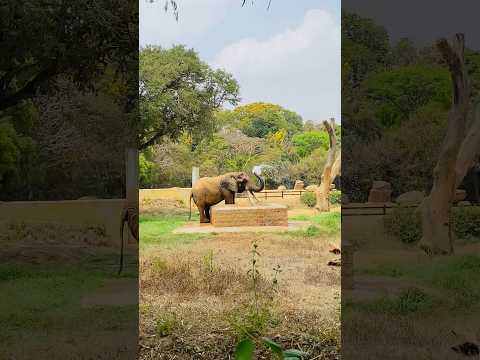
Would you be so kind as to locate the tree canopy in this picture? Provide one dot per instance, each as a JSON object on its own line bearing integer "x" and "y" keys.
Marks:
{"x": 179, "y": 93}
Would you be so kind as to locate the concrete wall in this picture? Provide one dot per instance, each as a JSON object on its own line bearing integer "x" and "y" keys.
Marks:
{"x": 176, "y": 193}
{"x": 103, "y": 213}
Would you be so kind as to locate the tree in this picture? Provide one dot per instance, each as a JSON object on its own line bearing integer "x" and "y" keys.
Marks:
{"x": 458, "y": 153}
{"x": 179, "y": 93}
{"x": 308, "y": 141}
{"x": 263, "y": 119}
{"x": 330, "y": 170}
{"x": 397, "y": 94}
{"x": 41, "y": 41}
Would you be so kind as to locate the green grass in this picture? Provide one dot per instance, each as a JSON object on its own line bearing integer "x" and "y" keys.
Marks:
{"x": 453, "y": 279}
{"x": 327, "y": 223}
{"x": 157, "y": 230}
{"x": 40, "y": 302}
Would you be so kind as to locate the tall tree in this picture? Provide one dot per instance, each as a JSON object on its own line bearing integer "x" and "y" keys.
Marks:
{"x": 178, "y": 93}
{"x": 458, "y": 153}
{"x": 331, "y": 168}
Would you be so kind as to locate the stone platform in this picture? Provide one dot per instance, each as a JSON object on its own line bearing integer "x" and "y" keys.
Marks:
{"x": 241, "y": 215}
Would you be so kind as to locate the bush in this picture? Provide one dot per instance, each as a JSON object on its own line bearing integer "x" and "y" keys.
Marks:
{"x": 466, "y": 222}
{"x": 405, "y": 224}
{"x": 309, "y": 199}
{"x": 335, "y": 197}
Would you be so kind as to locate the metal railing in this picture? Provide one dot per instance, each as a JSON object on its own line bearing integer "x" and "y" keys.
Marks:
{"x": 274, "y": 194}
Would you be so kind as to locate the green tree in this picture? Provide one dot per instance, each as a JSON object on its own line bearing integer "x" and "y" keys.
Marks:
{"x": 397, "y": 94}
{"x": 41, "y": 41}
{"x": 262, "y": 119}
{"x": 308, "y": 141}
{"x": 179, "y": 93}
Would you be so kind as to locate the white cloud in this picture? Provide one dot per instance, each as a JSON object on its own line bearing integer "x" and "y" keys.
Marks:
{"x": 298, "y": 68}
{"x": 196, "y": 18}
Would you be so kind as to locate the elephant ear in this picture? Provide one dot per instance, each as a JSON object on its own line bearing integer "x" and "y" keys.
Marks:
{"x": 229, "y": 183}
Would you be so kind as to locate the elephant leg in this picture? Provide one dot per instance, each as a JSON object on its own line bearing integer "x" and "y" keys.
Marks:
{"x": 207, "y": 212}
{"x": 229, "y": 198}
{"x": 203, "y": 218}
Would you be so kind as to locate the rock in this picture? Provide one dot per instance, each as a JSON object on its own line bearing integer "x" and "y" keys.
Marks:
{"x": 380, "y": 196}
{"x": 410, "y": 198}
{"x": 381, "y": 185}
{"x": 282, "y": 187}
{"x": 332, "y": 186}
{"x": 311, "y": 187}
{"x": 464, "y": 203}
{"x": 345, "y": 199}
{"x": 381, "y": 192}
{"x": 460, "y": 195}
{"x": 299, "y": 185}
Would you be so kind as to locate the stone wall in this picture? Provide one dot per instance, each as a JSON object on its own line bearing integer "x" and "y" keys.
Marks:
{"x": 260, "y": 215}
{"x": 102, "y": 213}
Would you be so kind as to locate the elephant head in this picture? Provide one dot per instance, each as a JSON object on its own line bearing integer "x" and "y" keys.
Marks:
{"x": 235, "y": 181}
{"x": 252, "y": 187}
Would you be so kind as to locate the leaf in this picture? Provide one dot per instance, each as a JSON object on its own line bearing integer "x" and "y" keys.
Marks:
{"x": 244, "y": 350}
{"x": 294, "y": 354}
{"x": 276, "y": 348}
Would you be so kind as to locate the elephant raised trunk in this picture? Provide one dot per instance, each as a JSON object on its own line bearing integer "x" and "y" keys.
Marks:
{"x": 256, "y": 188}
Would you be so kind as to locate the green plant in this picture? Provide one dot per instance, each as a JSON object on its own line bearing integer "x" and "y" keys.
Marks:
{"x": 308, "y": 198}
{"x": 466, "y": 222}
{"x": 208, "y": 261}
{"x": 312, "y": 231}
{"x": 404, "y": 224}
{"x": 251, "y": 322}
{"x": 166, "y": 324}
{"x": 335, "y": 197}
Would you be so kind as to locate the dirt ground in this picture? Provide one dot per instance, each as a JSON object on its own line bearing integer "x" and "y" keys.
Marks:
{"x": 197, "y": 297}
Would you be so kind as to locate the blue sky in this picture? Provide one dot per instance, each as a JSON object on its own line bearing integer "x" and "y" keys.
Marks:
{"x": 288, "y": 55}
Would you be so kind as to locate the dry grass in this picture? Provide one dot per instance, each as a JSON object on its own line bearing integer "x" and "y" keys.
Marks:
{"x": 197, "y": 298}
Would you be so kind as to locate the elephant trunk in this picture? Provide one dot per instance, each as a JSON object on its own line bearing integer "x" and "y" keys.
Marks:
{"x": 260, "y": 187}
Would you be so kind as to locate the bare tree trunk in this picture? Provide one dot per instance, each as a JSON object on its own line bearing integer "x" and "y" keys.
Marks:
{"x": 470, "y": 149}
{"x": 437, "y": 236}
{"x": 330, "y": 170}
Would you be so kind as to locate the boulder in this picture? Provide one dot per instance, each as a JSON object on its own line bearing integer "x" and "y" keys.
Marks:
{"x": 299, "y": 185}
{"x": 460, "y": 195}
{"x": 380, "y": 196}
{"x": 381, "y": 185}
{"x": 410, "y": 198}
{"x": 311, "y": 188}
{"x": 282, "y": 187}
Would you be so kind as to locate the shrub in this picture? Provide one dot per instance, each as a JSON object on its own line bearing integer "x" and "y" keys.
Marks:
{"x": 466, "y": 222}
{"x": 335, "y": 197}
{"x": 309, "y": 199}
{"x": 405, "y": 224}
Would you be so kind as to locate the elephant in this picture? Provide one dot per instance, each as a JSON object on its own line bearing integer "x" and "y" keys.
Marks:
{"x": 209, "y": 191}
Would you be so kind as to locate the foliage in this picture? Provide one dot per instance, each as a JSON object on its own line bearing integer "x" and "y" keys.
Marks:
{"x": 335, "y": 197}
{"x": 262, "y": 119}
{"x": 308, "y": 141}
{"x": 398, "y": 93}
{"x": 404, "y": 223}
{"x": 76, "y": 39}
{"x": 309, "y": 199}
{"x": 179, "y": 93}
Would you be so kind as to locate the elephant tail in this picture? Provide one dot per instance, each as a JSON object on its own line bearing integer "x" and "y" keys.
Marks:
{"x": 190, "y": 214}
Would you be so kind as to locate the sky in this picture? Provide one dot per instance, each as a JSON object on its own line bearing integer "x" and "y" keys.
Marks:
{"x": 287, "y": 55}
